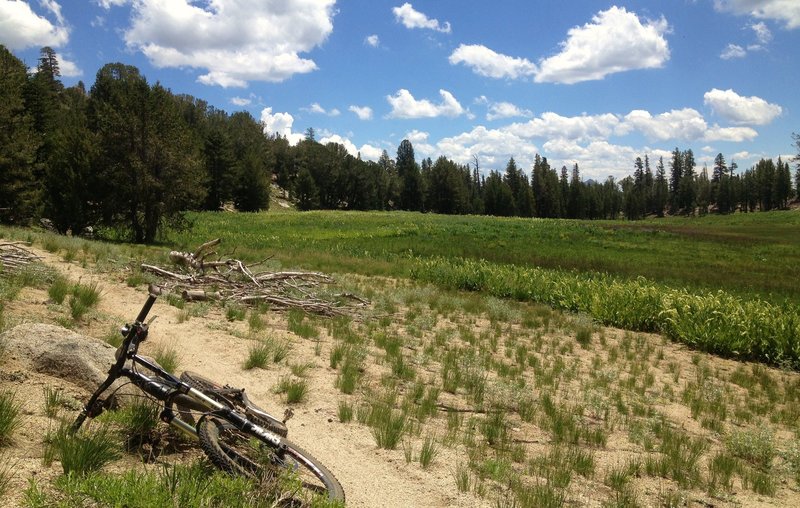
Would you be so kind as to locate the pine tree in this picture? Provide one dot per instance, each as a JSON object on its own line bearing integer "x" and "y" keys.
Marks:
{"x": 498, "y": 198}
{"x": 781, "y": 185}
{"x": 796, "y": 138}
{"x": 19, "y": 144}
{"x": 147, "y": 170}
{"x": 703, "y": 192}
{"x": 575, "y": 197}
{"x": 73, "y": 151}
{"x": 410, "y": 178}
{"x": 251, "y": 172}
{"x": 220, "y": 163}
{"x": 305, "y": 191}
{"x": 649, "y": 186}
{"x": 660, "y": 189}
{"x": 687, "y": 186}
{"x": 520, "y": 189}
{"x": 676, "y": 174}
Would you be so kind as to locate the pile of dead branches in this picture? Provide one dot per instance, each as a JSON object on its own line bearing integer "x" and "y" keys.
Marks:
{"x": 13, "y": 256}
{"x": 203, "y": 275}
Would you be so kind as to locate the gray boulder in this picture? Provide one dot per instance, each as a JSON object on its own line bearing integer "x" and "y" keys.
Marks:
{"x": 58, "y": 352}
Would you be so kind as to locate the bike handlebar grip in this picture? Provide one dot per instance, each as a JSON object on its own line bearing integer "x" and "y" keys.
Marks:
{"x": 151, "y": 299}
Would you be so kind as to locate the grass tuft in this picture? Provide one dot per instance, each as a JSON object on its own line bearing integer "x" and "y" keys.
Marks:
{"x": 10, "y": 418}
{"x": 82, "y": 452}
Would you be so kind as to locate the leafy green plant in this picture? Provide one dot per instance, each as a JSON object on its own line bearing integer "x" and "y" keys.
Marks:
{"x": 175, "y": 300}
{"x": 87, "y": 294}
{"x": 82, "y": 298}
{"x": 280, "y": 350}
{"x": 301, "y": 369}
{"x": 755, "y": 446}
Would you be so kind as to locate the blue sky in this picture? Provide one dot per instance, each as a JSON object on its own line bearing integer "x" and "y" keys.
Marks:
{"x": 592, "y": 82}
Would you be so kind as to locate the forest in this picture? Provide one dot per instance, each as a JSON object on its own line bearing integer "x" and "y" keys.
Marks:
{"x": 127, "y": 158}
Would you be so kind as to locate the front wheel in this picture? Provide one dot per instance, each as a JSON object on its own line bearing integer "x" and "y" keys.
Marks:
{"x": 240, "y": 452}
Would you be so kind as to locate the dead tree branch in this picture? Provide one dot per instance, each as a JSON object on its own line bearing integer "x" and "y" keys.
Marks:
{"x": 195, "y": 277}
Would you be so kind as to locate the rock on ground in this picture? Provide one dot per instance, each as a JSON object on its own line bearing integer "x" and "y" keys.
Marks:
{"x": 58, "y": 352}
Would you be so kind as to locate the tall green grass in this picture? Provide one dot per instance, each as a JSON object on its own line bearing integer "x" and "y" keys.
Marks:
{"x": 717, "y": 322}
{"x": 743, "y": 253}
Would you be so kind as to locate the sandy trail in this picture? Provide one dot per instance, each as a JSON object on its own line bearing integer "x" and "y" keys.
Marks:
{"x": 370, "y": 476}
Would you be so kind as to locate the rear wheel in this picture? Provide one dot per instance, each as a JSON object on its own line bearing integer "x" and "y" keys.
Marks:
{"x": 228, "y": 396}
{"x": 239, "y": 452}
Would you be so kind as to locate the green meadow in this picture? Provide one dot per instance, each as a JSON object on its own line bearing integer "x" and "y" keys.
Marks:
{"x": 727, "y": 285}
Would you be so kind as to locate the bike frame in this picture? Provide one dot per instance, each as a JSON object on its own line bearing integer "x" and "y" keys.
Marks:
{"x": 163, "y": 386}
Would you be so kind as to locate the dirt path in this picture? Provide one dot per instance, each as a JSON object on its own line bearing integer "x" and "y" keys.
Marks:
{"x": 370, "y": 476}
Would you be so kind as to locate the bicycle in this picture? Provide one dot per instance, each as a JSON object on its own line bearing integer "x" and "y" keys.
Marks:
{"x": 237, "y": 436}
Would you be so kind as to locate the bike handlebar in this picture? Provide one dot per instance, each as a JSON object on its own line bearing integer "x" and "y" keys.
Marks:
{"x": 151, "y": 299}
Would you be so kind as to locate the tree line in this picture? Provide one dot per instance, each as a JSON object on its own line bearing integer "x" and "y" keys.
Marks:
{"x": 129, "y": 157}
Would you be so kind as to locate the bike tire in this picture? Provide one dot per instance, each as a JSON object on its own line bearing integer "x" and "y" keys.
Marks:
{"x": 241, "y": 453}
{"x": 214, "y": 389}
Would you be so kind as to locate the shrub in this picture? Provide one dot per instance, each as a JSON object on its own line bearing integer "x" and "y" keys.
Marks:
{"x": 755, "y": 446}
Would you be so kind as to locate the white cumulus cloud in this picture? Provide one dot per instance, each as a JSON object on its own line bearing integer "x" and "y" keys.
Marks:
{"x": 280, "y": 123}
{"x": 553, "y": 125}
{"x": 786, "y": 11}
{"x": 493, "y": 147}
{"x": 404, "y": 105}
{"x": 362, "y": 112}
{"x": 489, "y": 63}
{"x": 234, "y": 42}
{"x": 372, "y": 40}
{"x": 68, "y": 68}
{"x": 367, "y": 151}
{"x": 412, "y": 18}
{"x": 741, "y": 110}
{"x": 731, "y": 134}
{"x": 240, "y": 101}
{"x": 498, "y": 110}
{"x": 684, "y": 124}
{"x": 615, "y": 41}
{"x": 316, "y": 109}
{"x": 21, "y": 27}
{"x": 732, "y": 51}
{"x": 762, "y": 32}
